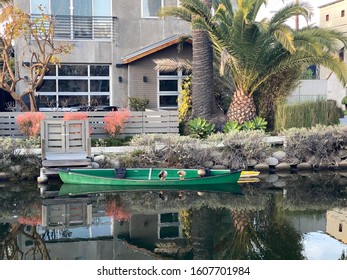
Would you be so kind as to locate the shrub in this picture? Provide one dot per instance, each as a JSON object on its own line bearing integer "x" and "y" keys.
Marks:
{"x": 344, "y": 100}
{"x": 257, "y": 124}
{"x": 114, "y": 122}
{"x": 185, "y": 100}
{"x": 138, "y": 104}
{"x": 231, "y": 126}
{"x": 307, "y": 114}
{"x": 30, "y": 123}
{"x": 315, "y": 145}
{"x": 200, "y": 128}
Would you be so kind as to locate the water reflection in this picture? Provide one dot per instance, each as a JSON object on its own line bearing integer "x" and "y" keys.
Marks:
{"x": 300, "y": 217}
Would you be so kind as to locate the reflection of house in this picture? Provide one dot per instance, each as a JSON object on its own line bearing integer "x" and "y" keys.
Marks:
{"x": 104, "y": 67}
{"x": 305, "y": 223}
{"x": 63, "y": 213}
{"x": 337, "y": 224}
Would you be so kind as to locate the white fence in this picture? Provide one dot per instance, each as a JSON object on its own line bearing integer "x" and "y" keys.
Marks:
{"x": 139, "y": 123}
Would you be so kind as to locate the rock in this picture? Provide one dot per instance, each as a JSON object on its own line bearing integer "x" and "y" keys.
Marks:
{"x": 262, "y": 166}
{"x": 304, "y": 166}
{"x": 208, "y": 164}
{"x": 279, "y": 155}
{"x": 100, "y": 159}
{"x": 42, "y": 179}
{"x": 280, "y": 184}
{"x": 342, "y": 154}
{"x": 251, "y": 162}
{"x": 271, "y": 161}
{"x": 95, "y": 165}
{"x": 15, "y": 168}
{"x": 293, "y": 161}
{"x": 283, "y": 166}
{"x": 4, "y": 175}
{"x": 271, "y": 178}
{"x": 343, "y": 164}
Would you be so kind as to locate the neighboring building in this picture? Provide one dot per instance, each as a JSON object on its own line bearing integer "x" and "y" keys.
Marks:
{"x": 334, "y": 16}
{"x": 114, "y": 44}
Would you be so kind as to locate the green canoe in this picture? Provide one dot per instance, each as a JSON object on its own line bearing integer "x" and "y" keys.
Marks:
{"x": 148, "y": 177}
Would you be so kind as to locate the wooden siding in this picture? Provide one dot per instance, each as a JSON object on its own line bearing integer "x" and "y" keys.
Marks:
{"x": 145, "y": 67}
{"x": 139, "y": 123}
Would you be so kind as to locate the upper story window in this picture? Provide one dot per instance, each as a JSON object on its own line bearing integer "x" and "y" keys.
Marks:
{"x": 342, "y": 13}
{"x": 77, "y": 19}
{"x": 72, "y": 7}
{"x": 326, "y": 17}
{"x": 151, "y": 7}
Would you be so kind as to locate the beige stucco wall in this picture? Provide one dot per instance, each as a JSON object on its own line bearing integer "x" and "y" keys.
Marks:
{"x": 335, "y": 90}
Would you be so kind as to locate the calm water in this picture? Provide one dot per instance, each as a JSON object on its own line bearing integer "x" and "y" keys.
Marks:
{"x": 298, "y": 216}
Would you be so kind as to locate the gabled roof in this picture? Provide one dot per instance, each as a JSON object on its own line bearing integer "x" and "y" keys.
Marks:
{"x": 152, "y": 49}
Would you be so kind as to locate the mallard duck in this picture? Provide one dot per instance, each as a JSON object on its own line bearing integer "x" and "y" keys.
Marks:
{"x": 162, "y": 174}
{"x": 201, "y": 172}
{"x": 181, "y": 173}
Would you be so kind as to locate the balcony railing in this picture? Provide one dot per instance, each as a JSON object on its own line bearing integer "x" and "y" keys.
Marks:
{"x": 83, "y": 27}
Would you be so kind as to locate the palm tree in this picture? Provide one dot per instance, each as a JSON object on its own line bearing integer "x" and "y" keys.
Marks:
{"x": 203, "y": 99}
{"x": 256, "y": 51}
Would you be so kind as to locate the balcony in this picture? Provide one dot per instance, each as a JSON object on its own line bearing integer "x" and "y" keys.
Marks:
{"x": 83, "y": 27}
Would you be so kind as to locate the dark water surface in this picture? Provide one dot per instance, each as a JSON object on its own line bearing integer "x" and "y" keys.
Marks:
{"x": 283, "y": 217}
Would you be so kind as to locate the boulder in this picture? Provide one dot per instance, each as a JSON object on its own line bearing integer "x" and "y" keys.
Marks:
{"x": 304, "y": 166}
{"x": 283, "y": 166}
{"x": 95, "y": 165}
{"x": 271, "y": 161}
{"x": 251, "y": 162}
{"x": 280, "y": 155}
{"x": 262, "y": 166}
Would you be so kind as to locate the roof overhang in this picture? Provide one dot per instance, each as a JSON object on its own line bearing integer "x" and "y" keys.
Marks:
{"x": 152, "y": 49}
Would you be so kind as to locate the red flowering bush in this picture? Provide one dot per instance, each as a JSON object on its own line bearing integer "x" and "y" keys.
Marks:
{"x": 69, "y": 116}
{"x": 32, "y": 221}
{"x": 118, "y": 212}
{"x": 114, "y": 122}
{"x": 30, "y": 123}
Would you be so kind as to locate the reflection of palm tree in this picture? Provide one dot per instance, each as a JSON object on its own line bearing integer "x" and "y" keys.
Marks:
{"x": 202, "y": 231}
{"x": 259, "y": 235}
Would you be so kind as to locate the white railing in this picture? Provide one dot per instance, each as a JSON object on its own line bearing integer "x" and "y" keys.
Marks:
{"x": 139, "y": 123}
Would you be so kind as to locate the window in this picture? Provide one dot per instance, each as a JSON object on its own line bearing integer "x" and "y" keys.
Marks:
{"x": 169, "y": 87}
{"x": 151, "y": 7}
{"x": 342, "y": 13}
{"x": 342, "y": 54}
{"x": 82, "y": 19}
{"x": 70, "y": 85}
{"x": 169, "y": 226}
{"x": 326, "y": 17}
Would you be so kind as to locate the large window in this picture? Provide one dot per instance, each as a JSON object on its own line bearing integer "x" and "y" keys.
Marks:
{"x": 169, "y": 87}
{"x": 71, "y": 85}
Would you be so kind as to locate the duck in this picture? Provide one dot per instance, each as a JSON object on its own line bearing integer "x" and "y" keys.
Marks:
{"x": 163, "y": 196}
{"x": 181, "y": 173}
{"x": 201, "y": 172}
{"x": 162, "y": 174}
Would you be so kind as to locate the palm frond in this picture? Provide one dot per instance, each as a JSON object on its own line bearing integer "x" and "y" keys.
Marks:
{"x": 172, "y": 64}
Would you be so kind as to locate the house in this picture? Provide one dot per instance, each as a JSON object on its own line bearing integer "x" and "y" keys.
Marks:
{"x": 334, "y": 16}
{"x": 114, "y": 43}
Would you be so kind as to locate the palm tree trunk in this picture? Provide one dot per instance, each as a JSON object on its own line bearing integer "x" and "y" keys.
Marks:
{"x": 242, "y": 107}
{"x": 203, "y": 100}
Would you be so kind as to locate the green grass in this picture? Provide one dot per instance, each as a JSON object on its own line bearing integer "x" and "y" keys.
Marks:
{"x": 307, "y": 114}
